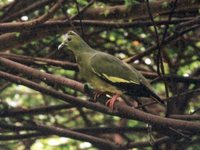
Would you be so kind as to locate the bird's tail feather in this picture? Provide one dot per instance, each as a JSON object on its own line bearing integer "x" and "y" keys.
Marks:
{"x": 141, "y": 90}
{"x": 157, "y": 98}
{"x": 153, "y": 95}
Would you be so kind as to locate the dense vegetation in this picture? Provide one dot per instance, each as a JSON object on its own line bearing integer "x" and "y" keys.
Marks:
{"x": 43, "y": 104}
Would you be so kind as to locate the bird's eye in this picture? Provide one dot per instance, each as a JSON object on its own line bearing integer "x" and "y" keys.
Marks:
{"x": 69, "y": 39}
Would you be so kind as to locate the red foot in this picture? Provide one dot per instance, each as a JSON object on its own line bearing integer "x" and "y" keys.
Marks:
{"x": 110, "y": 103}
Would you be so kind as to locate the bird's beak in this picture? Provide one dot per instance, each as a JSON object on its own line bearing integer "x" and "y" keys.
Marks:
{"x": 61, "y": 46}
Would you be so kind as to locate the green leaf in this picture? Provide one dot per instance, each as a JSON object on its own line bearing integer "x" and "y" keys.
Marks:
{"x": 82, "y": 2}
{"x": 17, "y": 34}
{"x": 131, "y": 2}
{"x": 165, "y": 4}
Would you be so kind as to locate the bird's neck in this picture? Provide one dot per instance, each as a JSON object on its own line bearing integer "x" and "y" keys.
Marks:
{"x": 81, "y": 49}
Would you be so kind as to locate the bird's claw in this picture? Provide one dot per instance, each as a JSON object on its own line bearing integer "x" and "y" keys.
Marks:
{"x": 110, "y": 103}
{"x": 97, "y": 94}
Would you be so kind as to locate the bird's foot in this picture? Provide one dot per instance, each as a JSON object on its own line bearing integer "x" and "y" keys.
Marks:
{"x": 110, "y": 103}
{"x": 97, "y": 94}
{"x": 93, "y": 94}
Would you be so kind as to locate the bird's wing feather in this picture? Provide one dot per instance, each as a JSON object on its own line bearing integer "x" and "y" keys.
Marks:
{"x": 112, "y": 70}
{"x": 121, "y": 75}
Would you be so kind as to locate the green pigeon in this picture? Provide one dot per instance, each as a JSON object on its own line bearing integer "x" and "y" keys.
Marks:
{"x": 106, "y": 73}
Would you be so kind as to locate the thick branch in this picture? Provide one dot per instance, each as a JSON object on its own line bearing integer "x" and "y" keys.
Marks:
{"x": 66, "y": 98}
{"x": 122, "y": 109}
{"x": 157, "y": 120}
{"x": 40, "y": 75}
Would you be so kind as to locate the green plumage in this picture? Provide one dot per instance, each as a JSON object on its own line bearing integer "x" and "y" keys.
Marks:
{"x": 105, "y": 72}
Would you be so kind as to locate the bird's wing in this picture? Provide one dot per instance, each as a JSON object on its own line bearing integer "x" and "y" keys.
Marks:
{"x": 121, "y": 75}
{"x": 113, "y": 70}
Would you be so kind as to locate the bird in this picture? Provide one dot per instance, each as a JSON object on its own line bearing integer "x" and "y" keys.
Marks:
{"x": 107, "y": 73}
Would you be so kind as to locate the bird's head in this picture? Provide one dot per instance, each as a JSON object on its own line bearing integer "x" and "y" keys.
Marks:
{"x": 72, "y": 41}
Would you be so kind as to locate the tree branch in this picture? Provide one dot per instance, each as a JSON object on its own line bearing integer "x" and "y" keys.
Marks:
{"x": 93, "y": 23}
{"x": 98, "y": 142}
{"x": 26, "y": 10}
{"x": 139, "y": 11}
{"x": 167, "y": 40}
{"x": 40, "y": 61}
{"x": 32, "y": 23}
{"x": 148, "y": 143}
{"x": 40, "y": 75}
{"x": 123, "y": 110}
{"x": 34, "y": 111}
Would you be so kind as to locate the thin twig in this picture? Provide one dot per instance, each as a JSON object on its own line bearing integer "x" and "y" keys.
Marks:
{"x": 157, "y": 38}
{"x": 80, "y": 19}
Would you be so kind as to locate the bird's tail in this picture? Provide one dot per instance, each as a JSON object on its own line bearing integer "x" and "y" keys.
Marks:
{"x": 155, "y": 97}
